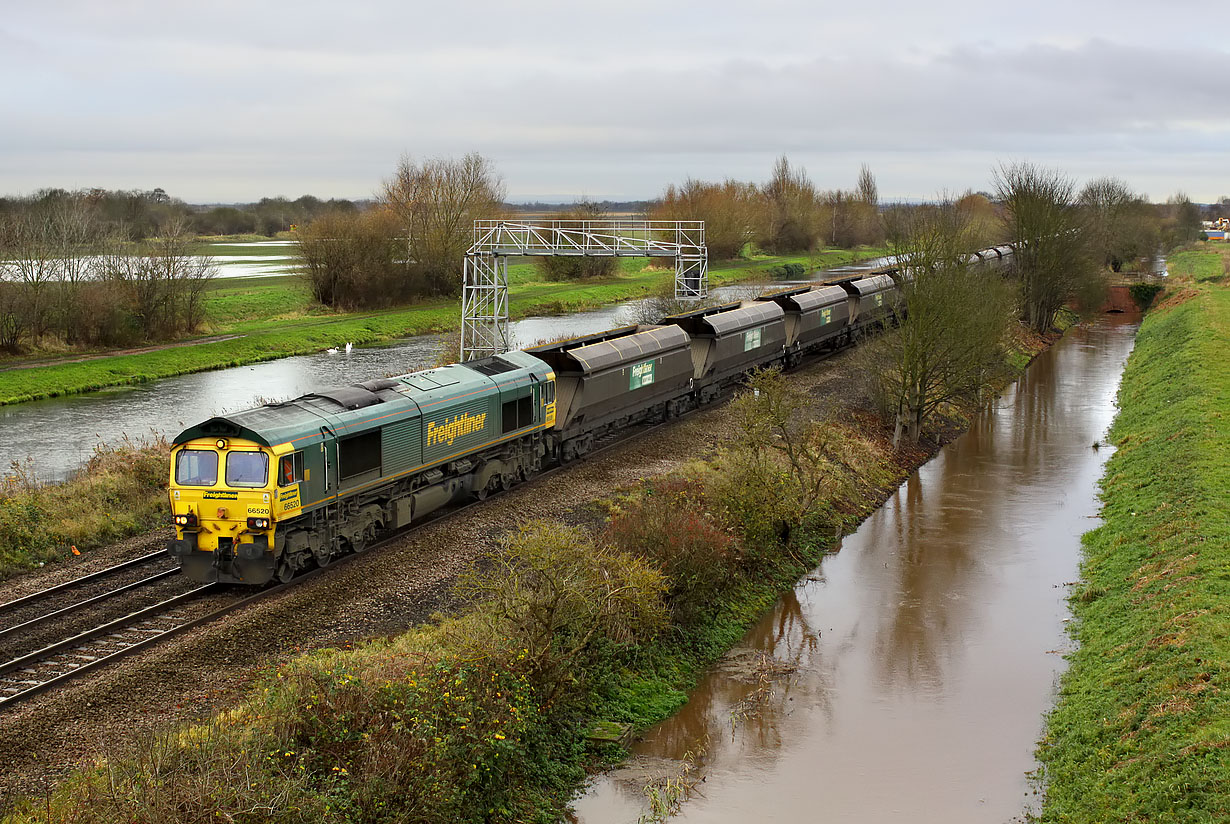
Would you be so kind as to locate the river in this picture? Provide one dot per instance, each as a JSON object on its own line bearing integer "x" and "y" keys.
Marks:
{"x": 927, "y": 648}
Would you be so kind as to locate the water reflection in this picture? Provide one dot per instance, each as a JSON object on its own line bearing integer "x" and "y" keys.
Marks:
{"x": 927, "y": 646}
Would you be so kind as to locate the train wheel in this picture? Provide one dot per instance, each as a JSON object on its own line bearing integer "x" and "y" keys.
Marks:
{"x": 285, "y": 570}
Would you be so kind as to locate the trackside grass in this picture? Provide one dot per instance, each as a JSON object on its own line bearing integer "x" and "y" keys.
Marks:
{"x": 275, "y": 318}
{"x": 1201, "y": 261}
{"x": 119, "y": 492}
{"x": 1141, "y": 731}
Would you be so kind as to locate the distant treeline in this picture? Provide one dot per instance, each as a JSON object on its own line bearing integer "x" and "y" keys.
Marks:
{"x": 137, "y": 215}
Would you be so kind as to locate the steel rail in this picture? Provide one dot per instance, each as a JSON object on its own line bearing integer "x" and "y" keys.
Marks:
{"x": 68, "y": 643}
{"x": 93, "y": 576}
{"x": 59, "y": 613}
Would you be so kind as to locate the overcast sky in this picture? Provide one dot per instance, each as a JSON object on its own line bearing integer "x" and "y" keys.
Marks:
{"x": 230, "y": 101}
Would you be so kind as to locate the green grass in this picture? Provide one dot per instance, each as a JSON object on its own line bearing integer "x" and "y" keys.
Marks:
{"x": 1203, "y": 262}
{"x": 1141, "y": 731}
{"x": 277, "y": 318}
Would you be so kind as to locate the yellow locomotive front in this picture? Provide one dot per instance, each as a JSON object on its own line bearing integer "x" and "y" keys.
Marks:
{"x": 222, "y": 504}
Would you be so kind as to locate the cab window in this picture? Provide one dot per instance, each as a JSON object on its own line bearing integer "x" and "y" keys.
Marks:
{"x": 549, "y": 393}
{"x": 196, "y": 467}
{"x": 247, "y": 469}
{"x": 290, "y": 469}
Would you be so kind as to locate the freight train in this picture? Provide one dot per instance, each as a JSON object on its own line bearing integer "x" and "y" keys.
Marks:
{"x": 260, "y": 495}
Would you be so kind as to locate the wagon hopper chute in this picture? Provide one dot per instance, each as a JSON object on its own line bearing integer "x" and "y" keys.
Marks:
{"x": 729, "y": 340}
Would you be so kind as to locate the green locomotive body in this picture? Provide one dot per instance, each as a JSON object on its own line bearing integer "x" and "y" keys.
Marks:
{"x": 314, "y": 478}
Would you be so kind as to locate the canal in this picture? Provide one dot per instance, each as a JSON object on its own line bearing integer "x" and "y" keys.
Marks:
{"x": 926, "y": 651}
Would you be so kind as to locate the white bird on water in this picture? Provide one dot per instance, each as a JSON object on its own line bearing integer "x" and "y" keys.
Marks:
{"x": 331, "y": 351}
{"x": 348, "y": 345}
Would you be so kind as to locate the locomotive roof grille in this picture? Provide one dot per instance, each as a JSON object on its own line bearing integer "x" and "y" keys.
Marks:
{"x": 348, "y": 397}
{"x": 494, "y": 365}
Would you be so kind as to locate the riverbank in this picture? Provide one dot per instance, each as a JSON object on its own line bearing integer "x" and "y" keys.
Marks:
{"x": 495, "y": 714}
{"x": 1140, "y": 729}
{"x": 269, "y": 318}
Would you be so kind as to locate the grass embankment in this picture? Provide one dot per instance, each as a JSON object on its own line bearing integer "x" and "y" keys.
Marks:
{"x": 276, "y": 318}
{"x": 1205, "y": 261}
{"x": 1141, "y": 731}
{"x": 121, "y": 491}
{"x": 483, "y": 716}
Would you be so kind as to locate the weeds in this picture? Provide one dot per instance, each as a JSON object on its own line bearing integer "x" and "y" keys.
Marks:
{"x": 120, "y": 492}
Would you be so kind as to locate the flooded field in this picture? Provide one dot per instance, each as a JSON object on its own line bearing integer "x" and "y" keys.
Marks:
{"x": 925, "y": 652}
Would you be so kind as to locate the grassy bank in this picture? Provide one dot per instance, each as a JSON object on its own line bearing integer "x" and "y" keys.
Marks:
{"x": 1200, "y": 262}
{"x": 1141, "y": 731}
{"x": 276, "y": 318}
{"x": 121, "y": 491}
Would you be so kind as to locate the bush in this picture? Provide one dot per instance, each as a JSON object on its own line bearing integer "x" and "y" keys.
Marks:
{"x": 355, "y": 261}
{"x": 787, "y": 270}
{"x": 669, "y": 525}
{"x": 579, "y": 267}
{"x": 1144, "y": 293}
{"x": 574, "y": 267}
{"x": 554, "y": 593}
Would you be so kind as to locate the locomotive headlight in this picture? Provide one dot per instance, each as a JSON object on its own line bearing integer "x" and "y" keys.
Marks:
{"x": 221, "y": 443}
{"x": 258, "y": 523}
{"x": 185, "y": 520}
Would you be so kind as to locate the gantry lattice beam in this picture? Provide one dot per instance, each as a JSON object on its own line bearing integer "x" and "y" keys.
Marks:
{"x": 484, "y": 313}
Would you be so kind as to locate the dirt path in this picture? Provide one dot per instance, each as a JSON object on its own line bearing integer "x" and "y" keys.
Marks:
{"x": 114, "y": 353}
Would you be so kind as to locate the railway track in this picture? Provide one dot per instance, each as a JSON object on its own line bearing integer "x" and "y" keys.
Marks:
{"x": 54, "y": 663}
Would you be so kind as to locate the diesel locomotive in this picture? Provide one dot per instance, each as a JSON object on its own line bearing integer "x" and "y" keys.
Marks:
{"x": 259, "y": 495}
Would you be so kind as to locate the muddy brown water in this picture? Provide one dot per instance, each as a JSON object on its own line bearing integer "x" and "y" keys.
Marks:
{"x": 927, "y": 648}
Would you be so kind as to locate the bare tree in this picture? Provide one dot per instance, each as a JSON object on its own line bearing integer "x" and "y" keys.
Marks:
{"x": 1182, "y": 224}
{"x": 869, "y": 229}
{"x": 354, "y": 260}
{"x": 1044, "y": 222}
{"x": 1119, "y": 223}
{"x": 437, "y": 202}
{"x": 953, "y": 320}
{"x": 729, "y": 210}
{"x": 794, "y": 216}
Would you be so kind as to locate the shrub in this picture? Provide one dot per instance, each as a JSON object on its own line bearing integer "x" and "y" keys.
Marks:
{"x": 1144, "y": 293}
{"x": 355, "y": 261}
{"x": 670, "y": 526}
{"x": 552, "y": 592}
{"x": 120, "y": 491}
